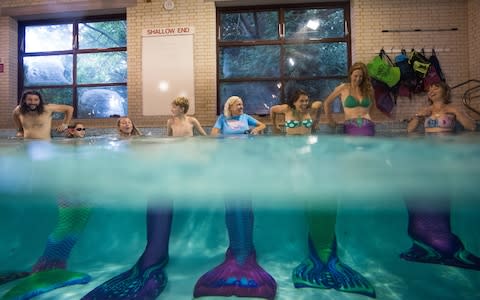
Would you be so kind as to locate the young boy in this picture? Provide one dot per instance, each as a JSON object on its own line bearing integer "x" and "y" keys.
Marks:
{"x": 180, "y": 124}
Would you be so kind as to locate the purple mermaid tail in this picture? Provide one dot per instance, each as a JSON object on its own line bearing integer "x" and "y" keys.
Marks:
{"x": 44, "y": 264}
{"x": 434, "y": 242}
{"x": 232, "y": 278}
{"x": 461, "y": 258}
{"x": 359, "y": 127}
{"x": 133, "y": 284}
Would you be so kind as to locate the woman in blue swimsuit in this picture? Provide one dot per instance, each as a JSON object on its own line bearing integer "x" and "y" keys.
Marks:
{"x": 234, "y": 121}
{"x": 298, "y": 114}
{"x": 357, "y": 100}
{"x": 239, "y": 274}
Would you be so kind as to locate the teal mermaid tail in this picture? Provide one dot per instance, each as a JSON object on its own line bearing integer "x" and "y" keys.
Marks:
{"x": 331, "y": 275}
{"x": 423, "y": 253}
{"x": 132, "y": 284}
{"x": 43, "y": 282}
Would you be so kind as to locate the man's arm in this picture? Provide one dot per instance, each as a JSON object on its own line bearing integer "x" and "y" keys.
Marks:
{"x": 67, "y": 110}
{"x": 17, "y": 121}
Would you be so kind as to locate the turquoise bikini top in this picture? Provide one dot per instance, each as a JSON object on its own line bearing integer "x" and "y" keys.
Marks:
{"x": 307, "y": 123}
{"x": 351, "y": 102}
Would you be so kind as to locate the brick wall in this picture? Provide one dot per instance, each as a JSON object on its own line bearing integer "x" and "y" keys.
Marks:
{"x": 370, "y": 17}
{"x": 473, "y": 46}
{"x": 186, "y": 13}
{"x": 456, "y": 50}
{"x": 8, "y": 79}
{"x": 474, "y": 38}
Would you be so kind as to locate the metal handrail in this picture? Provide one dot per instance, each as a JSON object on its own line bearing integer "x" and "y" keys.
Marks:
{"x": 464, "y": 83}
{"x": 467, "y": 95}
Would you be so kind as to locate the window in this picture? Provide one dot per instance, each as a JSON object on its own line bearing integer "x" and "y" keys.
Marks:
{"x": 266, "y": 53}
{"x": 82, "y": 63}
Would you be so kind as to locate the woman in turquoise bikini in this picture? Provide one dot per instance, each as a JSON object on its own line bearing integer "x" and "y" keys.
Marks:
{"x": 429, "y": 214}
{"x": 298, "y": 114}
{"x": 322, "y": 268}
{"x": 357, "y": 100}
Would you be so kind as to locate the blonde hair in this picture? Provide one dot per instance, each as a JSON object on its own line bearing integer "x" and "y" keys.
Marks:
{"x": 182, "y": 102}
{"x": 230, "y": 102}
{"x": 135, "y": 130}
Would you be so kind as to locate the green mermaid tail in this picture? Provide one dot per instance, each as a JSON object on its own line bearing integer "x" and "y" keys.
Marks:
{"x": 43, "y": 282}
{"x": 331, "y": 275}
{"x": 11, "y": 276}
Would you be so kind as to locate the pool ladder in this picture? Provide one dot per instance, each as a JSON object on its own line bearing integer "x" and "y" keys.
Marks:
{"x": 469, "y": 94}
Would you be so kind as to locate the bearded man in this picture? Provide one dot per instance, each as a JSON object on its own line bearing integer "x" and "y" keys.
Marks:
{"x": 33, "y": 118}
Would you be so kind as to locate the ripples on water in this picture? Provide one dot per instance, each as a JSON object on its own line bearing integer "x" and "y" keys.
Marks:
{"x": 368, "y": 177}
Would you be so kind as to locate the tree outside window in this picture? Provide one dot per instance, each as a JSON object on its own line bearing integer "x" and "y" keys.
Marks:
{"x": 266, "y": 53}
{"x": 81, "y": 62}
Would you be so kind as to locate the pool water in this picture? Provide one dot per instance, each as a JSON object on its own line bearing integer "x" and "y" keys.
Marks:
{"x": 368, "y": 177}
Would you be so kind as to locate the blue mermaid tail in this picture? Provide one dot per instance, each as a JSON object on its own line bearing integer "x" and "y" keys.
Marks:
{"x": 331, "y": 275}
{"x": 133, "y": 284}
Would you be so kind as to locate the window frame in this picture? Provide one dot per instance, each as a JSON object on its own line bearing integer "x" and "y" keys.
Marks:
{"x": 281, "y": 41}
{"x": 75, "y": 51}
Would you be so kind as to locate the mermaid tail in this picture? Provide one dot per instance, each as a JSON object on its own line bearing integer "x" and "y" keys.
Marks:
{"x": 43, "y": 282}
{"x": 55, "y": 254}
{"x": 72, "y": 219}
{"x": 424, "y": 253}
{"x": 331, "y": 275}
{"x": 11, "y": 276}
{"x": 233, "y": 278}
{"x": 239, "y": 275}
{"x": 48, "y": 273}
{"x": 433, "y": 241}
{"x": 132, "y": 284}
{"x": 147, "y": 278}
{"x": 359, "y": 127}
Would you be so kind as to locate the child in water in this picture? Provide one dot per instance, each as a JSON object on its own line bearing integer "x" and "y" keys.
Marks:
{"x": 180, "y": 124}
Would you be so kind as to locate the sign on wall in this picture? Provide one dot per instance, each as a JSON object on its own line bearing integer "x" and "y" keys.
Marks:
{"x": 167, "y": 68}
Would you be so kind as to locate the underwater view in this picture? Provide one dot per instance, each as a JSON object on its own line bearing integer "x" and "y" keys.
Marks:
{"x": 371, "y": 198}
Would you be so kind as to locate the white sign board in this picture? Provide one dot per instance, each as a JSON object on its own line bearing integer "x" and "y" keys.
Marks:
{"x": 167, "y": 69}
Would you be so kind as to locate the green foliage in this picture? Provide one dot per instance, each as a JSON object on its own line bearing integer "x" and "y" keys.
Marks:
{"x": 109, "y": 34}
{"x": 253, "y": 55}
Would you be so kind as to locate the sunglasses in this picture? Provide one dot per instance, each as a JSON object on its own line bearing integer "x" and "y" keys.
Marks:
{"x": 80, "y": 129}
